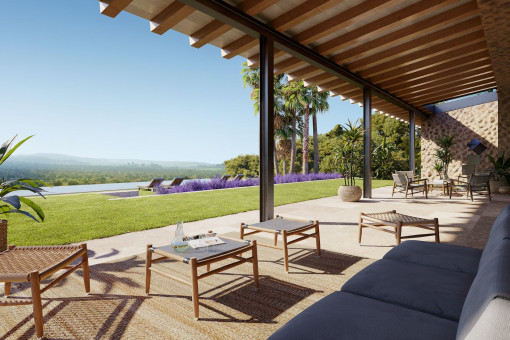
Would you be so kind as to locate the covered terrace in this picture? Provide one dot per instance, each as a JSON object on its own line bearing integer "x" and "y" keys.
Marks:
{"x": 392, "y": 57}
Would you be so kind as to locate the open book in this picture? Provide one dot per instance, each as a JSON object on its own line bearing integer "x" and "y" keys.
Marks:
{"x": 204, "y": 242}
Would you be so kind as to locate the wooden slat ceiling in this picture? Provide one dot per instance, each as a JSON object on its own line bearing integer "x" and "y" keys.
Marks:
{"x": 420, "y": 51}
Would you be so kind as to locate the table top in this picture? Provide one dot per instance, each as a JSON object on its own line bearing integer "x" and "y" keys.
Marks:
{"x": 202, "y": 253}
{"x": 279, "y": 224}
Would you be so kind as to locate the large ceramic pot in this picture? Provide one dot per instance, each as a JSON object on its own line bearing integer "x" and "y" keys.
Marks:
{"x": 3, "y": 235}
{"x": 349, "y": 193}
{"x": 495, "y": 185}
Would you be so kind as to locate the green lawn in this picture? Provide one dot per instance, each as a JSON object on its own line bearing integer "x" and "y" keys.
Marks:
{"x": 81, "y": 217}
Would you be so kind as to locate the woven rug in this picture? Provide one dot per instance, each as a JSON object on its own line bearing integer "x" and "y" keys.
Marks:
{"x": 230, "y": 307}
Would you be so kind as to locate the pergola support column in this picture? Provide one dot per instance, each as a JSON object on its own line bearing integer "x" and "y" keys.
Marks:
{"x": 367, "y": 142}
{"x": 266, "y": 128}
{"x": 412, "y": 141}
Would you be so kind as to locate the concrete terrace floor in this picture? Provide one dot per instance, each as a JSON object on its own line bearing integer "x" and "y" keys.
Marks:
{"x": 461, "y": 221}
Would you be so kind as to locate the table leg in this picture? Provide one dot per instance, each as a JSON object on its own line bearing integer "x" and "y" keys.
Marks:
{"x": 148, "y": 263}
{"x": 360, "y": 228}
{"x": 399, "y": 232}
{"x": 285, "y": 250}
{"x": 317, "y": 238}
{"x": 436, "y": 229}
{"x": 275, "y": 239}
{"x": 194, "y": 285}
{"x": 35, "y": 284}
{"x": 255, "y": 262}
{"x": 85, "y": 268}
{"x": 241, "y": 233}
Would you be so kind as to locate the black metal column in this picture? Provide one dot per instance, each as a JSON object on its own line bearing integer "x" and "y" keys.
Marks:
{"x": 266, "y": 128}
{"x": 412, "y": 142}
{"x": 367, "y": 142}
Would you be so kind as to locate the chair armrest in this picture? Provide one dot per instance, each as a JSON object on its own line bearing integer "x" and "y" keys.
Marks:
{"x": 418, "y": 180}
{"x": 458, "y": 182}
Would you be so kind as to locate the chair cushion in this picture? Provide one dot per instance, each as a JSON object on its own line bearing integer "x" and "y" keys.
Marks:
{"x": 440, "y": 255}
{"x": 492, "y": 280}
{"x": 343, "y": 315}
{"x": 500, "y": 229}
{"x": 427, "y": 289}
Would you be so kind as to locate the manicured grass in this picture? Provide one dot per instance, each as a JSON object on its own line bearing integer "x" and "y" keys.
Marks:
{"x": 81, "y": 217}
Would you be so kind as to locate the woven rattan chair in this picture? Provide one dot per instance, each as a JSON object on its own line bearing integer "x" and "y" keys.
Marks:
{"x": 402, "y": 183}
{"x": 477, "y": 182}
{"x": 34, "y": 264}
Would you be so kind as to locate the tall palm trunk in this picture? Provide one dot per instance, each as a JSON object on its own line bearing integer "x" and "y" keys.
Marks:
{"x": 315, "y": 145}
{"x": 293, "y": 145}
{"x": 306, "y": 137}
{"x": 275, "y": 159}
{"x": 284, "y": 172}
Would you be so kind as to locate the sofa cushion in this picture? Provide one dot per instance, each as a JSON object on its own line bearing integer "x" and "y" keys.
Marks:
{"x": 440, "y": 255}
{"x": 492, "y": 280}
{"x": 342, "y": 315}
{"x": 427, "y": 289}
{"x": 500, "y": 229}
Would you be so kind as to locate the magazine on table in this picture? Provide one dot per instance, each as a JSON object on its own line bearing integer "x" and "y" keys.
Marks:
{"x": 205, "y": 242}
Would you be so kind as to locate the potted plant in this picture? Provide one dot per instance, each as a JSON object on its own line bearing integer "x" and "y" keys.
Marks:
{"x": 13, "y": 203}
{"x": 501, "y": 176}
{"x": 439, "y": 169}
{"x": 444, "y": 153}
{"x": 350, "y": 156}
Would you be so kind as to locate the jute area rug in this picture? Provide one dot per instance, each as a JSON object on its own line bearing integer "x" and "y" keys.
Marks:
{"x": 230, "y": 307}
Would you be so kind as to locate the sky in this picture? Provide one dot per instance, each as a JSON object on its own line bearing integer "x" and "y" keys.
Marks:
{"x": 88, "y": 85}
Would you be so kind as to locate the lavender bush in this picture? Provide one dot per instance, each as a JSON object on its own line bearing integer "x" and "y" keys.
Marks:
{"x": 217, "y": 183}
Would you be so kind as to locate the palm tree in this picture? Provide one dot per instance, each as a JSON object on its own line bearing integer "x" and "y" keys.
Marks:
{"x": 251, "y": 77}
{"x": 320, "y": 104}
{"x": 292, "y": 107}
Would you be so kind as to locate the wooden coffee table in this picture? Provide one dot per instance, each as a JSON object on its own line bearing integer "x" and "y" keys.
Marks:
{"x": 386, "y": 221}
{"x": 285, "y": 227}
{"x": 231, "y": 249}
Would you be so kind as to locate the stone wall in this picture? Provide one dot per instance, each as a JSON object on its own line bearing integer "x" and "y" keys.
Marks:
{"x": 480, "y": 122}
{"x": 495, "y": 16}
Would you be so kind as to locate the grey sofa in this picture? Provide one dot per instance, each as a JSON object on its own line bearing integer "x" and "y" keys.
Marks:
{"x": 419, "y": 290}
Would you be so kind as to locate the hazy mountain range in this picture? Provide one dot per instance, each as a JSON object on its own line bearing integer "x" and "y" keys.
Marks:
{"x": 59, "y": 159}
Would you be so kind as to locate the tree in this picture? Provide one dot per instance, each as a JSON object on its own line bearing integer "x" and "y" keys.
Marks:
{"x": 350, "y": 151}
{"x": 319, "y": 105}
{"x": 243, "y": 164}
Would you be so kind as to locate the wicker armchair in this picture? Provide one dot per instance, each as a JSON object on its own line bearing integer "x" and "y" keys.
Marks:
{"x": 403, "y": 183}
{"x": 34, "y": 264}
{"x": 477, "y": 182}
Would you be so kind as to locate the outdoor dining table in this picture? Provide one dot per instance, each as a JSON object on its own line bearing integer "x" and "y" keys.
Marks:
{"x": 199, "y": 257}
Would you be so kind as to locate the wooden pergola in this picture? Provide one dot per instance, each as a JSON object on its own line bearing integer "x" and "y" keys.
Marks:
{"x": 390, "y": 56}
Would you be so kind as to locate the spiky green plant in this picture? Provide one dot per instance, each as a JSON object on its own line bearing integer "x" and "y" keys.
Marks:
{"x": 13, "y": 203}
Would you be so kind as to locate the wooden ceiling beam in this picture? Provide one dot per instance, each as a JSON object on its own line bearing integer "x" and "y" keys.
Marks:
{"x": 169, "y": 17}
{"x": 419, "y": 28}
{"x": 445, "y": 82}
{"x": 407, "y": 14}
{"x": 453, "y": 73}
{"x": 450, "y": 87}
{"x": 447, "y": 34}
{"x": 444, "y": 51}
{"x": 113, "y": 8}
{"x": 483, "y": 55}
{"x": 293, "y": 17}
{"x": 447, "y": 57}
{"x": 458, "y": 93}
{"x": 335, "y": 23}
{"x": 404, "y": 33}
{"x": 307, "y": 71}
{"x": 320, "y": 79}
{"x": 216, "y": 28}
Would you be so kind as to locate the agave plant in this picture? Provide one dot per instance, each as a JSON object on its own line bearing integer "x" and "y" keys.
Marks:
{"x": 12, "y": 203}
{"x": 501, "y": 166}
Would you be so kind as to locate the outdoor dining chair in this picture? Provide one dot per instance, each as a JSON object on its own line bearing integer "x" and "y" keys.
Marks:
{"x": 403, "y": 183}
{"x": 477, "y": 182}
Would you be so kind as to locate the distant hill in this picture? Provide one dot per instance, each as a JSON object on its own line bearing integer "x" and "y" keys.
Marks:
{"x": 59, "y": 159}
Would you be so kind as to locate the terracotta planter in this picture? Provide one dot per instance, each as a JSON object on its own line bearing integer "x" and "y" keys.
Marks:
{"x": 504, "y": 189}
{"x": 349, "y": 193}
{"x": 495, "y": 185}
{"x": 3, "y": 235}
